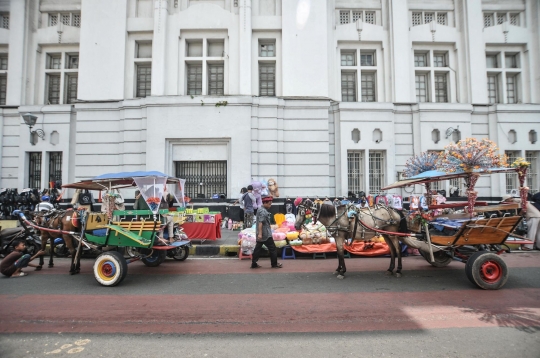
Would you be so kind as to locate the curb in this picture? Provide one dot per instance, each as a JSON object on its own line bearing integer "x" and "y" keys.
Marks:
{"x": 214, "y": 250}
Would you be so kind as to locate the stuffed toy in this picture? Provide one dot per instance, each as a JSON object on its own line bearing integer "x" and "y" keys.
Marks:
{"x": 273, "y": 188}
{"x": 257, "y": 192}
{"x": 264, "y": 190}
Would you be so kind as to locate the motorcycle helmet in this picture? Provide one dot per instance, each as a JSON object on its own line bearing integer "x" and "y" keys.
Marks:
{"x": 45, "y": 198}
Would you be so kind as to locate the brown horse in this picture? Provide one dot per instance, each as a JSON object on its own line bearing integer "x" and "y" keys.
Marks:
{"x": 56, "y": 220}
{"x": 338, "y": 224}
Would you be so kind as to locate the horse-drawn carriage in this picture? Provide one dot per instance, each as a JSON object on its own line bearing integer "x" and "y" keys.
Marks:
{"x": 474, "y": 237}
{"x": 134, "y": 229}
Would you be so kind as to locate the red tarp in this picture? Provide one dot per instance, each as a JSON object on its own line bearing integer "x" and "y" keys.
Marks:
{"x": 359, "y": 248}
{"x": 205, "y": 231}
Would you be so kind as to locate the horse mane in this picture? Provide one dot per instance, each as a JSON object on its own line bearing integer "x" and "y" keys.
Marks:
{"x": 326, "y": 211}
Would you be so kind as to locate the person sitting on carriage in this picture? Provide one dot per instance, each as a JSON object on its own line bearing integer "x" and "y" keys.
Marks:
{"x": 45, "y": 205}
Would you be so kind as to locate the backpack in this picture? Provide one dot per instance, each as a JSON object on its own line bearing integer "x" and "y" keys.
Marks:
{"x": 85, "y": 198}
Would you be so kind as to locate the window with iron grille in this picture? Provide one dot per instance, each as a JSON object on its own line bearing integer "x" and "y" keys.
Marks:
{"x": 267, "y": 79}
{"x": 511, "y": 178}
{"x": 441, "y": 18}
{"x": 344, "y": 17}
{"x": 71, "y": 88}
{"x": 356, "y": 15}
{"x": 428, "y": 17}
{"x": 3, "y": 89}
{"x": 501, "y": 18}
{"x": 194, "y": 85}
{"x": 420, "y": 59}
{"x": 511, "y": 88}
{"x": 493, "y": 95}
{"x": 34, "y": 170}
{"x": 215, "y": 80}
{"x": 532, "y": 172}
{"x": 376, "y": 171}
{"x": 55, "y": 166}
{"x": 203, "y": 178}
{"x": 267, "y": 49}
{"x": 355, "y": 171}
{"x": 5, "y": 21}
{"x": 53, "y": 89}
{"x": 348, "y": 58}
{"x": 77, "y": 20}
{"x": 441, "y": 88}
{"x": 144, "y": 80}
{"x": 348, "y": 86}
{"x": 421, "y": 85}
{"x": 368, "y": 87}
{"x": 439, "y": 59}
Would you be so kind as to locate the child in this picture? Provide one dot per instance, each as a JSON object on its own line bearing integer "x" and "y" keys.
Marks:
{"x": 12, "y": 264}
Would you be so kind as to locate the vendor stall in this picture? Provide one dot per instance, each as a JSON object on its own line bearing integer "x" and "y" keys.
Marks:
{"x": 203, "y": 226}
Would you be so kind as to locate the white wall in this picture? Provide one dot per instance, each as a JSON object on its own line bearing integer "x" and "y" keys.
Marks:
{"x": 102, "y": 50}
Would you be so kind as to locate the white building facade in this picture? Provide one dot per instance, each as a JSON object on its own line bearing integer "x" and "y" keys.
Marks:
{"x": 325, "y": 97}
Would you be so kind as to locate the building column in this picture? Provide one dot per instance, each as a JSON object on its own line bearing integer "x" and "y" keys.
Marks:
{"x": 17, "y": 53}
{"x": 475, "y": 51}
{"x": 244, "y": 67}
{"x": 159, "y": 52}
{"x": 401, "y": 52}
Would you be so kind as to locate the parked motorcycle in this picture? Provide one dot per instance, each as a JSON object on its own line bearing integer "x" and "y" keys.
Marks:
{"x": 180, "y": 242}
{"x": 21, "y": 233}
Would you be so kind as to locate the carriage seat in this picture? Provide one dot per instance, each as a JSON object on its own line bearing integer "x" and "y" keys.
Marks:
{"x": 96, "y": 220}
{"x": 138, "y": 225}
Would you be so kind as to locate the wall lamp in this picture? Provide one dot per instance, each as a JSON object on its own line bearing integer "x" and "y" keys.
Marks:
{"x": 30, "y": 120}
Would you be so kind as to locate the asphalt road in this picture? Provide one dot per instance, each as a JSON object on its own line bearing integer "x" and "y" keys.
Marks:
{"x": 221, "y": 308}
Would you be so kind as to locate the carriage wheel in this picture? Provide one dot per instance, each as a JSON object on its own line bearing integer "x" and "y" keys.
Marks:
{"x": 110, "y": 268}
{"x": 487, "y": 270}
{"x": 156, "y": 259}
{"x": 440, "y": 257}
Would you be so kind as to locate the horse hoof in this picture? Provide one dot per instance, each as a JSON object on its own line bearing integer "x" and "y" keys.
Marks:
{"x": 341, "y": 277}
{"x": 388, "y": 273}
{"x": 398, "y": 275}
{"x": 336, "y": 273}
{"x": 51, "y": 266}
{"x": 38, "y": 268}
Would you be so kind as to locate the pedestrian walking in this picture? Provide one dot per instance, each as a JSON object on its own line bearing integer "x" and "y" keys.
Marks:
{"x": 248, "y": 200}
{"x": 264, "y": 235}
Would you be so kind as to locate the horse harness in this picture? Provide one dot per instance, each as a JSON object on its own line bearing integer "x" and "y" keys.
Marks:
{"x": 333, "y": 229}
